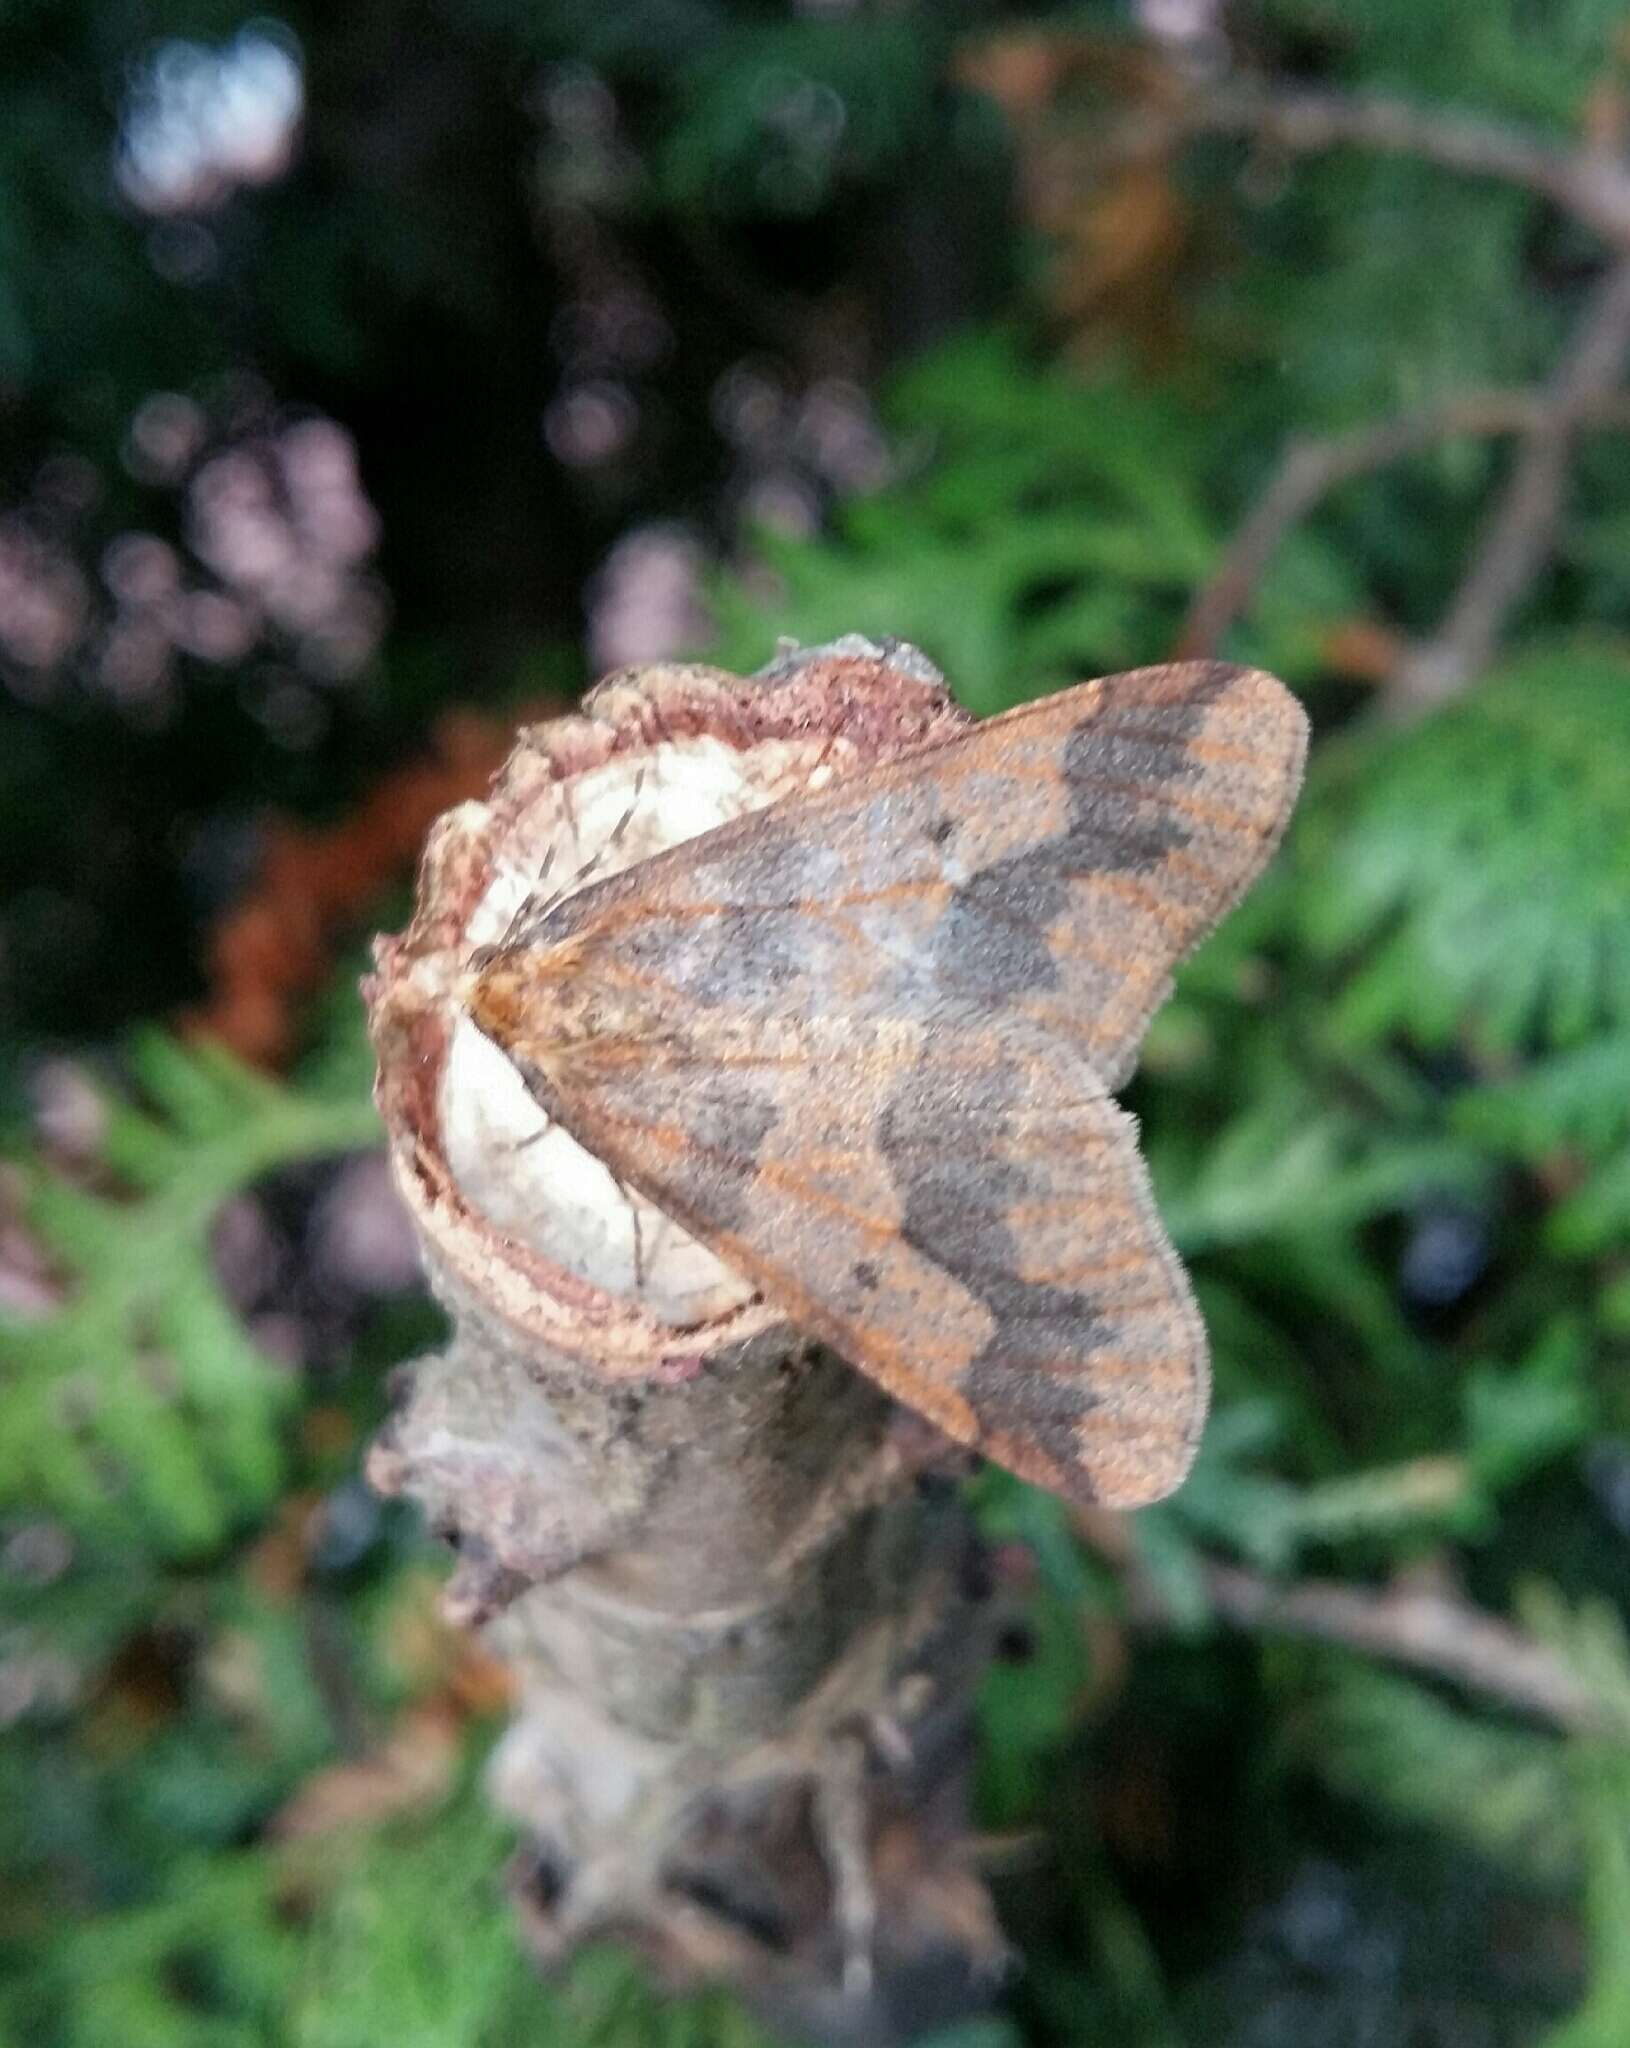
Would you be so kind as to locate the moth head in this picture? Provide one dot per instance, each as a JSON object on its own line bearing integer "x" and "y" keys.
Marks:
{"x": 521, "y": 997}
{"x": 544, "y": 1004}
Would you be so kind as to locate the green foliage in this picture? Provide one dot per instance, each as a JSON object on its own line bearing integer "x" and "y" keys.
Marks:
{"x": 1477, "y": 873}
{"x": 1031, "y": 540}
{"x": 1603, "y": 1801}
{"x": 1502, "y": 59}
{"x": 399, "y": 1937}
{"x": 749, "y": 136}
{"x": 1570, "y": 1100}
{"x": 1401, "y": 1749}
{"x": 1569, "y": 1112}
{"x": 141, "y": 1401}
{"x": 1552, "y": 1809}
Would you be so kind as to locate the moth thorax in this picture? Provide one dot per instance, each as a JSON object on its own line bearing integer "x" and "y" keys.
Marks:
{"x": 540, "y": 1004}
{"x": 525, "y": 1000}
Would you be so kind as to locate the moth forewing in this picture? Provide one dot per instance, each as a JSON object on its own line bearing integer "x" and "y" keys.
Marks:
{"x": 860, "y": 1044}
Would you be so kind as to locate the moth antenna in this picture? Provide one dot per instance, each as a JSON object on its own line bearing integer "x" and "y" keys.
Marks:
{"x": 612, "y": 839}
{"x": 824, "y": 756}
{"x": 537, "y": 910}
{"x": 587, "y": 868}
{"x": 627, "y": 817}
{"x": 528, "y": 911}
{"x": 518, "y": 919}
{"x": 628, "y": 1196}
{"x": 639, "y": 1243}
{"x": 569, "y": 810}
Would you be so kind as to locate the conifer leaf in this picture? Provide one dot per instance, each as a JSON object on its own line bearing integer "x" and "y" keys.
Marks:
{"x": 1596, "y": 1217}
{"x": 1287, "y": 1164}
{"x": 140, "y": 1404}
{"x": 1473, "y": 875}
{"x": 1391, "y": 1743}
{"x": 1593, "y": 1639}
{"x": 1519, "y": 1417}
{"x": 1579, "y": 1098}
{"x": 1602, "y": 1794}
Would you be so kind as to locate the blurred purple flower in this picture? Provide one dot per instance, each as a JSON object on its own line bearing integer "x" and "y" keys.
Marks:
{"x": 278, "y": 537}
{"x": 645, "y": 604}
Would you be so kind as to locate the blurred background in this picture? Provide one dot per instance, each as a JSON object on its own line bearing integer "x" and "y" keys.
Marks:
{"x": 372, "y": 378}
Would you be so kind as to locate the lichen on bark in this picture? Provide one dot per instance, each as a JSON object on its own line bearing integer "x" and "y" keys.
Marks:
{"x": 739, "y": 1595}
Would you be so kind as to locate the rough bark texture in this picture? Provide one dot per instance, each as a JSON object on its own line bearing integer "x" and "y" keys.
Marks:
{"x": 742, "y": 1603}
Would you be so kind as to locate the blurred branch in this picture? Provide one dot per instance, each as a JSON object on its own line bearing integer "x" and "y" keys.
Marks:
{"x": 1312, "y": 467}
{"x": 1518, "y": 537}
{"x": 1591, "y": 184}
{"x": 1417, "y": 1623}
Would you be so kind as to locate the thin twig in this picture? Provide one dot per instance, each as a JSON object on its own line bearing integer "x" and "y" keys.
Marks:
{"x": 1593, "y": 185}
{"x": 1423, "y": 1626}
{"x": 1590, "y": 183}
{"x": 1310, "y": 468}
{"x": 1518, "y": 538}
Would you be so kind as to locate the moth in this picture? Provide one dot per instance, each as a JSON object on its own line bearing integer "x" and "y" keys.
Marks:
{"x": 864, "y": 1044}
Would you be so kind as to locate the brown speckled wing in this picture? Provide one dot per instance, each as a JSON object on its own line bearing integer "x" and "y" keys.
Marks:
{"x": 961, "y": 1214}
{"x": 861, "y": 1044}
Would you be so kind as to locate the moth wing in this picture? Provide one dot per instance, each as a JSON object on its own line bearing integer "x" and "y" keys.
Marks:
{"x": 860, "y": 1043}
{"x": 1165, "y": 792}
{"x": 960, "y": 1213}
{"x": 1053, "y": 864}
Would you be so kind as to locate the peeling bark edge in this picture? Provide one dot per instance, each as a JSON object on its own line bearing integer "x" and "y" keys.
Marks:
{"x": 744, "y": 1610}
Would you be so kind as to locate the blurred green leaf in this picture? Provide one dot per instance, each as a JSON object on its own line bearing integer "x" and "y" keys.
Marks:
{"x": 141, "y": 1403}
{"x": 1475, "y": 874}
{"x": 1045, "y": 530}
